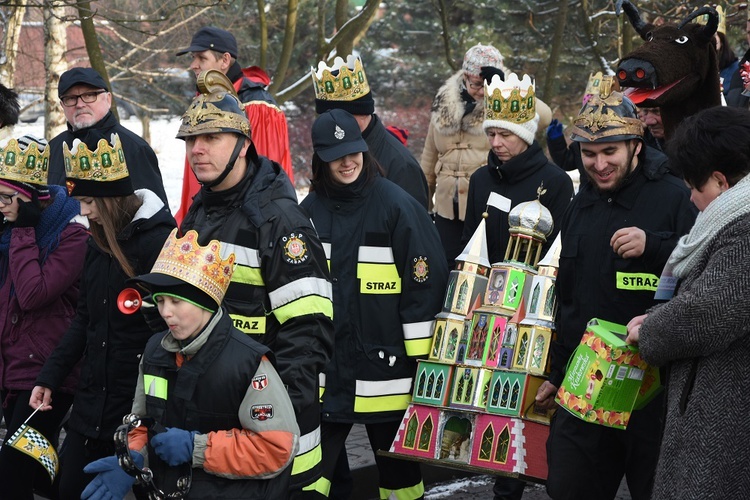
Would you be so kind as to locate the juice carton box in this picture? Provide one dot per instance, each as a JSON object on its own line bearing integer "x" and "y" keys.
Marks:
{"x": 604, "y": 381}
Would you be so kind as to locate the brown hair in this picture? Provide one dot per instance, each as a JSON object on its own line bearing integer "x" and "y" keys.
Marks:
{"x": 115, "y": 213}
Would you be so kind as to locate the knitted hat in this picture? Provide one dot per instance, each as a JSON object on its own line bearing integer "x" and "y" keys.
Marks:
{"x": 481, "y": 55}
{"x": 342, "y": 86}
{"x": 24, "y": 166}
{"x": 96, "y": 167}
{"x": 511, "y": 105}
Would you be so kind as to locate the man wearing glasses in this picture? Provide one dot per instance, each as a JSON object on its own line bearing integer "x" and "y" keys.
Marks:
{"x": 86, "y": 102}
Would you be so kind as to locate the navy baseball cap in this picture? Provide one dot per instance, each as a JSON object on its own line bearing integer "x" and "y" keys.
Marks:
{"x": 80, "y": 76}
{"x": 212, "y": 38}
{"x": 336, "y": 134}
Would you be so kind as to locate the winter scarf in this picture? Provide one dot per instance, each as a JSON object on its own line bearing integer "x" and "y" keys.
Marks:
{"x": 729, "y": 206}
{"x": 54, "y": 219}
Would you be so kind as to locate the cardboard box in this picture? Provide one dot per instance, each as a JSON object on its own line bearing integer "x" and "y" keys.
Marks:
{"x": 605, "y": 376}
{"x": 510, "y": 445}
{"x": 432, "y": 383}
{"x": 513, "y": 394}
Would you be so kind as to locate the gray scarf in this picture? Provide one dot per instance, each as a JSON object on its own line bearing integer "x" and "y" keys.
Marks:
{"x": 730, "y": 205}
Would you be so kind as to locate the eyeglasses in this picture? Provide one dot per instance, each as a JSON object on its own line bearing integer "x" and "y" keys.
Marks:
{"x": 87, "y": 97}
{"x": 474, "y": 85}
{"x": 7, "y": 199}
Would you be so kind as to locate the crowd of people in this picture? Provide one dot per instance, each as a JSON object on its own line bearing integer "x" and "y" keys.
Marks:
{"x": 262, "y": 329}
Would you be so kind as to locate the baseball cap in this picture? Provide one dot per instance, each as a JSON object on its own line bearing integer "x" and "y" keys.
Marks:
{"x": 212, "y": 38}
{"x": 336, "y": 134}
{"x": 78, "y": 76}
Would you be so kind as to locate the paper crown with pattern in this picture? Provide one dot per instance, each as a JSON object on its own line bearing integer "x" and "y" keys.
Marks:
{"x": 512, "y": 100}
{"x": 200, "y": 266}
{"x": 598, "y": 80}
{"x": 343, "y": 81}
{"x": 102, "y": 172}
{"x": 29, "y": 165}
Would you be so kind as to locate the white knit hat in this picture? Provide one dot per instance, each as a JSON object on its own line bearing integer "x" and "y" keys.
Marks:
{"x": 482, "y": 55}
{"x": 511, "y": 105}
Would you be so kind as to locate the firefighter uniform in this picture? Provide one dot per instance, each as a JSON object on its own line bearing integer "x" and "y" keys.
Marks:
{"x": 389, "y": 274}
{"x": 595, "y": 282}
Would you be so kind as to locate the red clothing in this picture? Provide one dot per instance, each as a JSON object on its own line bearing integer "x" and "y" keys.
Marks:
{"x": 268, "y": 127}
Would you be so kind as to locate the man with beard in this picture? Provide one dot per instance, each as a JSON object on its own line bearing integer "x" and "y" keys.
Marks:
{"x": 623, "y": 224}
{"x": 86, "y": 102}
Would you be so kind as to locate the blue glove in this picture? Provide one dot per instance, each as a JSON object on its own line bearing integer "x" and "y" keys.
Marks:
{"x": 175, "y": 446}
{"x": 555, "y": 130}
{"x": 110, "y": 481}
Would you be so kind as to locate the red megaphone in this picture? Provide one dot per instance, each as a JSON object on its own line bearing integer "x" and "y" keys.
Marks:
{"x": 129, "y": 301}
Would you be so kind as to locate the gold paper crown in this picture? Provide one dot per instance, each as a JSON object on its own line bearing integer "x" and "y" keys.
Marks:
{"x": 722, "y": 18}
{"x": 24, "y": 165}
{"x": 512, "y": 100}
{"x": 200, "y": 266}
{"x": 344, "y": 81}
{"x": 598, "y": 81}
{"x": 105, "y": 164}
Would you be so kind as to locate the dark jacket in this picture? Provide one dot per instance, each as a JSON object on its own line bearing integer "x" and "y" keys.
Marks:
{"x": 517, "y": 179}
{"x": 389, "y": 274}
{"x": 143, "y": 166}
{"x": 280, "y": 291}
{"x": 212, "y": 393}
{"x": 37, "y": 304}
{"x": 593, "y": 281}
{"x": 110, "y": 342}
{"x": 399, "y": 164}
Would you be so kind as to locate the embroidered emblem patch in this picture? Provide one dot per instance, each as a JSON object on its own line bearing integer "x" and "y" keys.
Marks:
{"x": 261, "y": 412}
{"x": 260, "y": 382}
{"x": 339, "y": 133}
{"x": 70, "y": 185}
{"x": 421, "y": 269}
{"x": 295, "y": 248}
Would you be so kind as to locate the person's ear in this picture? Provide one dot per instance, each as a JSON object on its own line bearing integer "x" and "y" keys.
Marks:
{"x": 721, "y": 180}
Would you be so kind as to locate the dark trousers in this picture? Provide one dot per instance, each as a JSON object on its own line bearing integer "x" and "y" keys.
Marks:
{"x": 508, "y": 488}
{"x": 20, "y": 474}
{"x": 450, "y": 232}
{"x": 77, "y": 452}
{"x": 588, "y": 461}
{"x": 393, "y": 474}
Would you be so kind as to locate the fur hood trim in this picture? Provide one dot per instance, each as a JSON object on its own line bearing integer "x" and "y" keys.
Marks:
{"x": 448, "y": 110}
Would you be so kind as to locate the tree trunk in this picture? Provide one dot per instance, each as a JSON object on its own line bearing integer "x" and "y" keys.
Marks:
{"x": 445, "y": 33}
{"x": 263, "y": 24}
{"x": 287, "y": 46}
{"x": 93, "y": 49}
{"x": 549, "y": 90}
{"x": 10, "y": 45}
{"x": 55, "y": 46}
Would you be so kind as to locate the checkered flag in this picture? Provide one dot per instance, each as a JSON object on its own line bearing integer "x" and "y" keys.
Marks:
{"x": 31, "y": 442}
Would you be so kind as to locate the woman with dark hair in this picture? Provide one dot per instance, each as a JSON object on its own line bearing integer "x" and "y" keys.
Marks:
{"x": 41, "y": 257}
{"x": 703, "y": 333}
{"x": 389, "y": 273}
{"x": 728, "y": 62}
{"x": 128, "y": 230}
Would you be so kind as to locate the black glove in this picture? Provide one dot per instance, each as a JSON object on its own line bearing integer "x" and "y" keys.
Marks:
{"x": 29, "y": 212}
{"x": 487, "y": 72}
